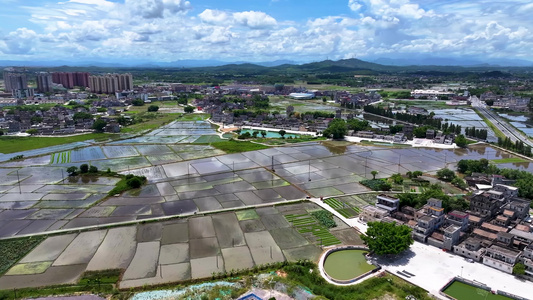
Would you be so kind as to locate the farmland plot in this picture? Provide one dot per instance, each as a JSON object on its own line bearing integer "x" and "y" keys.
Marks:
{"x": 154, "y": 149}
{"x": 120, "y": 151}
{"x": 60, "y": 157}
{"x": 87, "y": 154}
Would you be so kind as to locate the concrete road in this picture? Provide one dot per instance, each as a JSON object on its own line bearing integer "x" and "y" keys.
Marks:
{"x": 501, "y": 124}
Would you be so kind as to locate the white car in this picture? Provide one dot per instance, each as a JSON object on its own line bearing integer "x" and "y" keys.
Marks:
{"x": 469, "y": 260}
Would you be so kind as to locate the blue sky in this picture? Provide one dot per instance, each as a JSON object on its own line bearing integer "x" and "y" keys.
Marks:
{"x": 264, "y": 30}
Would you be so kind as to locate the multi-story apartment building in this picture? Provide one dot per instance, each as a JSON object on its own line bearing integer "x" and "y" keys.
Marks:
{"x": 44, "y": 82}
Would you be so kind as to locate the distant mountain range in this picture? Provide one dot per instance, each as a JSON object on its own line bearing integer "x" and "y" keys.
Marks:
{"x": 189, "y": 63}
{"x": 380, "y": 65}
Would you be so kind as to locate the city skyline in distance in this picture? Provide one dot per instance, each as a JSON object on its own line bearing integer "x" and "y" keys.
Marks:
{"x": 206, "y": 32}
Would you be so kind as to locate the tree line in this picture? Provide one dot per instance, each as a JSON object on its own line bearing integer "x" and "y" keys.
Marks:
{"x": 477, "y": 133}
{"x": 517, "y": 146}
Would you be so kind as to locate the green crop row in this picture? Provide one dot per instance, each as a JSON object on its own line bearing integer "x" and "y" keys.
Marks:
{"x": 334, "y": 203}
{"x": 60, "y": 158}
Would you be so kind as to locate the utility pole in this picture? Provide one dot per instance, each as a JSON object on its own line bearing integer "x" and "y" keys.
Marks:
{"x": 366, "y": 161}
{"x": 273, "y": 164}
{"x": 399, "y": 160}
{"x": 309, "y": 173}
{"x": 18, "y": 180}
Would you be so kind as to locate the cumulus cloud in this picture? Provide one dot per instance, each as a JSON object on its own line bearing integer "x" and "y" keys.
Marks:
{"x": 159, "y": 29}
{"x": 254, "y": 19}
{"x": 150, "y": 9}
{"x": 20, "y": 41}
{"x": 213, "y": 16}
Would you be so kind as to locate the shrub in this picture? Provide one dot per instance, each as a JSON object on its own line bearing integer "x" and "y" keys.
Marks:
{"x": 134, "y": 182}
{"x": 84, "y": 168}
{"x": 153, "y": 108}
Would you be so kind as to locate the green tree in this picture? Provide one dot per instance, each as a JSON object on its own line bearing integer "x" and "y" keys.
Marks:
{"x": 263, "y": 133}
{"x": 188, "y": 109}
{"x": 84, "y": 168}
{"x": 72, "y": 171}
{"x": 32, "y": 131}
{"x": 458, "y": 182}
{"x": 99, "y": 125}
{"x": 519, "y": 269}
{"x": 446, "y": 174}
{"x": 416, "y": 174}
{"x": 374, "y": 173}
{"x": 137, "y": 102}
{"x": 282, "y": 133}
{"x": 460, "y": 141}
{"x": 93, "y": 169}
{"x": 153, "y": 108}
{"x": 183, "y": 100}
{"x": 336, "y": 129}
{"x": 82, "y": 116}
{"x": 134, "y": 182}
{"x": 255, "y": 133}
{"x": 397, "y": 178}
{"x": 387, "y": 238}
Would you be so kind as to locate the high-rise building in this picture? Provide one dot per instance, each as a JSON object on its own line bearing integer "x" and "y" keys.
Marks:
{"x": 71, "y": 79}
{"x": 110, "y": 83}
{"x": 14, "y": 80}
{"x": 44, "y": 82}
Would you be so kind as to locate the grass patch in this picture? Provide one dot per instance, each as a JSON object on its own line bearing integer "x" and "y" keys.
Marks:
{"x": 233, "y": 146}
{"x": 12, "y": 144}
{"x": 509, "y": 160}
{"x": 192, "y": 117}
{"x": 127, "y": 182}
{"x": 13, "y": 250}
{"x": 30, "y": 268}
{"x": 208, "y": 139}
{"x": 157, "y": 121}
{"x": 247, "y": 214}
{"x": 372, "y": 288}
{"x": 497, "y": 132}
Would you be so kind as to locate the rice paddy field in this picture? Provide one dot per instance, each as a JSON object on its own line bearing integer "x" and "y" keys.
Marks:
{"x": 236, "y": 205}
{"x": 169, "y": 251}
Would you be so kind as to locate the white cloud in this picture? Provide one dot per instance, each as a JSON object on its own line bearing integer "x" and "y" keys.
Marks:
{"x": 213, "y": 16}
{"x": 150, "y": 9}
{"x": 161, "y": 29}
{"x": 354, "y": 5}
{"x": 254, "y": 19}
{"x": 20, "y": 41}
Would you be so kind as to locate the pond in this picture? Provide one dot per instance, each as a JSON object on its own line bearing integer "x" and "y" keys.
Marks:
{"x": 271, "y": 134}
{"x": 347, "y": 264}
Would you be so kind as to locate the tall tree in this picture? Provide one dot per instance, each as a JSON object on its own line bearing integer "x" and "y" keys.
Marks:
{"x": 336, "y": 129}
{"x": 387, "y": 238}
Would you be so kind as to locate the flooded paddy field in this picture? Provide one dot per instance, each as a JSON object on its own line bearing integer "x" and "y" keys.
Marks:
{"x": 40, "y": 198}
{"x": 169, "y": 251}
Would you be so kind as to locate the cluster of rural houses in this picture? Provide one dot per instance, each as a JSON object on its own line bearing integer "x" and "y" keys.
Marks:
{"x": 511, "y": 102}
{"x": 495, "y": 230}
